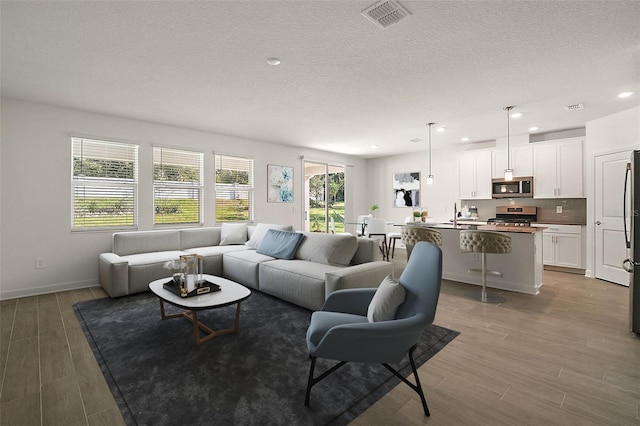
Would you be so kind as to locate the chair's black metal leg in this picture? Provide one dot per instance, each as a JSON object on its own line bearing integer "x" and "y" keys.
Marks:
{"x": 417, "y": 387}
{"x": 312, "y": 381}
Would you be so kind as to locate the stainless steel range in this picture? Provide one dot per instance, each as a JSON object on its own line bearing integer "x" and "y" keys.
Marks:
{"x": 514, "y": 216}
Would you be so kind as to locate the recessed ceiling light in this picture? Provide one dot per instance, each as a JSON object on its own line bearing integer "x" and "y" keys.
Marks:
{"x": 465, "y": 139}
{"x": 517, "y": 114}
{"x": 625, "y": 94}
{"x": 374, "y": 146}
{"x": 533, "y": 129}
{"x": 273, "y": 61}
{"x": 441, "y": 129}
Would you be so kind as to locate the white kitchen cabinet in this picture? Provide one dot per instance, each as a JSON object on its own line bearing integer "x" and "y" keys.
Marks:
{"x": 562, "y": 245}
{"x": 474, "y": 171}
{"x": 558, "y": 169}
{"x": 521, "y": 161}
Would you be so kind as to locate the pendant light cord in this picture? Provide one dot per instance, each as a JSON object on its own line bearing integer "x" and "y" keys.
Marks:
{"x": 508, "y": 109}
{"x": 430, "y": 124}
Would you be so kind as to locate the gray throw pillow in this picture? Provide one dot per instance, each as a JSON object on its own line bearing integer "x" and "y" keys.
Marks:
{"x": 384, "y": 304}
{"x": 233, "y": 233}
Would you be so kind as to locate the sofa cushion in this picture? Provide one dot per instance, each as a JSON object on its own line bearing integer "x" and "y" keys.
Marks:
{"x": 212, "y": 263}
{"x": 126, "y": 243}
{"x": 330, "y": 249}
{"x": 261, "y": 230}
{"x": 280, "y": 244}
{"x": 199, "y": 237}
{"x": 389, "y": 295}
{"x": 242, "y": 266}
{"x": 233, "y": 233}
{"x": 156, "y": 257}
{"x": 296, "y": 281}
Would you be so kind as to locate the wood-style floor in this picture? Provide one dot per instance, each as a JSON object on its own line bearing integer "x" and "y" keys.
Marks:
{"x": 563, "y": 357}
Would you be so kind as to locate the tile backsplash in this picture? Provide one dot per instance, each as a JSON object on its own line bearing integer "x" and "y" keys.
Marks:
{"x": 574, "y": 210}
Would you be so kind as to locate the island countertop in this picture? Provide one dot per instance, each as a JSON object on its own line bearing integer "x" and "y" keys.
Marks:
{"x": 521, "y": 269}
{"x": 480, "y": 227}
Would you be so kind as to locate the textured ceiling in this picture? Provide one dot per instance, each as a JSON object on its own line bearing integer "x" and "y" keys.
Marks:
{"x": 343, "y": 84}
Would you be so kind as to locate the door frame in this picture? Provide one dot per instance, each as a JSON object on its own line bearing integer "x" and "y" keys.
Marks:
{"x": 306, "y": 220}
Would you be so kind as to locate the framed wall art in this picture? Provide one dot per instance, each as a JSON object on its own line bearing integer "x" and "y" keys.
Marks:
{"x": 406, "y": 189}
{"x": 280, "y": 184}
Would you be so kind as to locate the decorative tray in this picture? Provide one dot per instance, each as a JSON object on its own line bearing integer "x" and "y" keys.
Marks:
{"x": 202, "y": 288}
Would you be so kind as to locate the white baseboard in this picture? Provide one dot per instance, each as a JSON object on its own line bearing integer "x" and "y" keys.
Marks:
{"x": 54, "y": 288}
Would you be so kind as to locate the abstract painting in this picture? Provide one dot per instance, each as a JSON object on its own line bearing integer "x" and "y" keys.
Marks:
{"x": 406, "y": 189}
{"x": 280, "y": 182}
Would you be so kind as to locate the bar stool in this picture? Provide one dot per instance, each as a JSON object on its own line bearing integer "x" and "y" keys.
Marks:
{"x": 485, "y": 242}
{"x": 412, "y": 234}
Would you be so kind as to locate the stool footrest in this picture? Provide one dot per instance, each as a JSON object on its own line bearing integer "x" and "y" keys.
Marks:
{"x": 497, "y": 273}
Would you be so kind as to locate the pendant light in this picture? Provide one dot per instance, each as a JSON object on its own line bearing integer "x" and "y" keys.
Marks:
{"x": 508, "y": 172}
{"x": 430, "y": 176}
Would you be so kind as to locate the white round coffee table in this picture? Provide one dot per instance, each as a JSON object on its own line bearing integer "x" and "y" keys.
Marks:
{"x": 230, "y": 293}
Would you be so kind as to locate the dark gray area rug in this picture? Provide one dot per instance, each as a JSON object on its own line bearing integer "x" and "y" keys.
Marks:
{"x": 159, "y": 376}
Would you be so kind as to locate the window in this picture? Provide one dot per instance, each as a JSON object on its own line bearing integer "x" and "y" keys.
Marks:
{"x": 105, "y": 184}
{"x": 177, "y": 186}
{"x": 234, "y": 189}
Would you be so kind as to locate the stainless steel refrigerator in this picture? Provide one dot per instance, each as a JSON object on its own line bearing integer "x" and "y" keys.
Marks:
{"x": 632, "y": 237}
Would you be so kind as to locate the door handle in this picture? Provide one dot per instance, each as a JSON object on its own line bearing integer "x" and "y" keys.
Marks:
{"x": 628, "y": 265}
{"x": 598, "y": 222}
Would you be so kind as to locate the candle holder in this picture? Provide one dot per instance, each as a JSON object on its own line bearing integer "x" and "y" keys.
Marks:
{"x": 190, "y": 280}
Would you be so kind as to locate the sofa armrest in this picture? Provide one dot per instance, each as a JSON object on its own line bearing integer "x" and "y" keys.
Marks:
{"x": 366, "y": 275}
{"x": 114, "y": 274}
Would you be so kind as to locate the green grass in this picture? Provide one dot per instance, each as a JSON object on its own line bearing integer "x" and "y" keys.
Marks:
{"x": 318, "y": 222}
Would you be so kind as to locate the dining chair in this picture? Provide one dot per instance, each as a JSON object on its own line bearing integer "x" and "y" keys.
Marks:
{"x": 396, "y": 235}
{"x": 362, "y": 220}
{"x": 377, "y": 229}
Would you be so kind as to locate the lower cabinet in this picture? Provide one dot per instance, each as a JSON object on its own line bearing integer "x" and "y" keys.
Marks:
{"x": 562, "y": 245}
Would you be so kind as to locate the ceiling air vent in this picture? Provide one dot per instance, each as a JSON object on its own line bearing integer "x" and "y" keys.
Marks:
{"x": 386, "y": 13}
{"x": 574, "y": 107}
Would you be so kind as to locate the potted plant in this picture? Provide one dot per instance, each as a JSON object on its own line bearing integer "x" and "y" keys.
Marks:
{"x": 374, "y": 208}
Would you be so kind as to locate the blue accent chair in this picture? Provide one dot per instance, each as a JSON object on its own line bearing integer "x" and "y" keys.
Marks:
{"x": 342, "y": 332}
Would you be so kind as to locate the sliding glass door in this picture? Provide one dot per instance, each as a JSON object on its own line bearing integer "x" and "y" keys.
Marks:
{"x": 324, "y": 197}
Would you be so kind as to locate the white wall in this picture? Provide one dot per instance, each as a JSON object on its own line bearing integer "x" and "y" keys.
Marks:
{"x": 36, "y": 189}
{"x": 438, "y": 198}
{"x": 608, "y": 134}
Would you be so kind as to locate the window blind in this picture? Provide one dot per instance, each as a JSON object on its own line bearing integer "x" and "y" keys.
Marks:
{"x": 105, "y": 184}
{"x": 234, "y": 188}
{"x": 177, "y": 186}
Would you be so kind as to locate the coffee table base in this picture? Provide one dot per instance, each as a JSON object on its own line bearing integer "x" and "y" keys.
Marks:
{"x": 192, "y": 316}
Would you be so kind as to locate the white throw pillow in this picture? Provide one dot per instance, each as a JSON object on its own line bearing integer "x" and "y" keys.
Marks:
{"x": 389, "y": 295}
{"x": 261, "y": 231}
{"x": 233, "y": 233}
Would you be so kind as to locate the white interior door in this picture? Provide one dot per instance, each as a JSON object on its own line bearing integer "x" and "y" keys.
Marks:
{"x": 610, "y": 248}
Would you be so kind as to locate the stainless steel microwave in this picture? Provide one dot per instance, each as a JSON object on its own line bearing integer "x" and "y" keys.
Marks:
{"x": 519, "y": 187}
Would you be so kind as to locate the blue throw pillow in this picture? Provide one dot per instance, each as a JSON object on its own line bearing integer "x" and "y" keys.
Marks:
{"x": 280, "y": 244}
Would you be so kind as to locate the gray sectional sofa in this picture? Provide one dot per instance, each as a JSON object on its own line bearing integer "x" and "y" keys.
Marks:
{"x": 322, "y": 263}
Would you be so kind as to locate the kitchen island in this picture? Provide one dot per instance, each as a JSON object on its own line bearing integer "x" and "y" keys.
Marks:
{"x": 521, "y": 269}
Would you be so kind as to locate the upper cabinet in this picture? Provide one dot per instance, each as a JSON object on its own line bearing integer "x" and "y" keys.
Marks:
{"x": 521, "y": 161}
{"x": 474, "y": 170}
{"x": 558, "y": 168}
